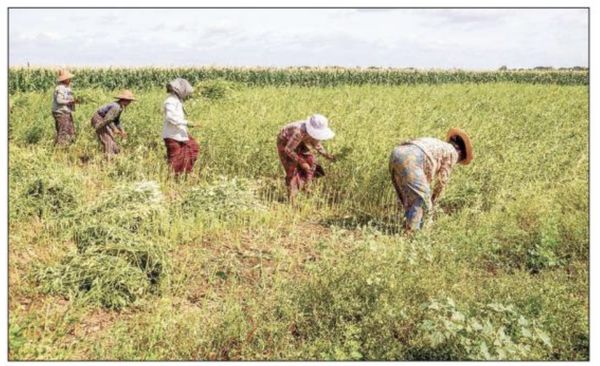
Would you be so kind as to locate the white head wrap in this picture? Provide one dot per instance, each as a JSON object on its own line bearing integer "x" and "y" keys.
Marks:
{"x": 181, "y": 87}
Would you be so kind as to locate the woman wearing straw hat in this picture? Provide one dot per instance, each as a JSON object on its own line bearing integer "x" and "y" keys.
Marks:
{"x": 415, "y": 163}
{"x": 63, "y": 104}
{"x": 107, "y": 122}
{"x": 182, "y": 149}
{"x": 293, "y": 144}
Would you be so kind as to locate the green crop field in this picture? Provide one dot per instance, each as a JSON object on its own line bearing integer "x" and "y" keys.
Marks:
{"x": 115, "y": 260}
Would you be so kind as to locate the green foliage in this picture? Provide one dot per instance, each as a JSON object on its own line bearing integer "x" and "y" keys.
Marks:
{"x": 353, "y": 309}
{"x": 374, "y": 304}
{"x": 491, "y": 332}
{"x": 34, "y": 135}
{"x": 95, "y": 278}
{"x": 216, "y": 89}
{"x": 534, "y": 233}
{"x": 32, "y": 79}
{"x": 39, "y": 189}
{"x": 220, "y": 267}
{"x": 142, "y": 253}
{"x": 135, "y": 207}
{"x": 223, "y": 198}
{"x": 115, "y": 236}
{"x": 54, "y": 196}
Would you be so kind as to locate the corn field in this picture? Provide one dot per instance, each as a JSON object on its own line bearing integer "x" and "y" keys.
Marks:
{"x": 116, "y": 260}
{"x": 35, "y": 79}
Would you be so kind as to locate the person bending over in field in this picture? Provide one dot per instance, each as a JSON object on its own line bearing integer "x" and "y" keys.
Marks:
{"x": 182, "y": 149}
{"x": 63, "y": 105}
{"x": 107, "y": 122}
{"x": 414, "y": 164}
{"x": 293, "y": 144}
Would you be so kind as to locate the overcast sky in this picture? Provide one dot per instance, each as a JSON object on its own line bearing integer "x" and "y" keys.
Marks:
{"x": 433, "y": 38}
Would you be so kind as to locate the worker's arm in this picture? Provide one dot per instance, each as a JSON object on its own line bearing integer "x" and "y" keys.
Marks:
{"x": 443, "y": 176}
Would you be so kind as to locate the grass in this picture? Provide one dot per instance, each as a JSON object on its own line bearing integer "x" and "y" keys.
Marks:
{"x": 502, "y": 273}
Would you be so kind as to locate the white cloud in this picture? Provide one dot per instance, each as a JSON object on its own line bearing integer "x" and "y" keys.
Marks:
{"x": 181, "y": 28}
{"x": 158, "y": 27}
{"x": 469, "y": 17}
{"x": 469, "y": 38}
{"x": 39, "y": 36}
{"x": 342, "y": 13}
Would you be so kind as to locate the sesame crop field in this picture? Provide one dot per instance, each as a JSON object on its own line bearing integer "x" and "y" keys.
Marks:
{"x": 116, "y": 260}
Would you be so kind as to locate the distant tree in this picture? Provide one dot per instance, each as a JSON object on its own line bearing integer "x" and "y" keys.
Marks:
{"x": 503, "y": 68}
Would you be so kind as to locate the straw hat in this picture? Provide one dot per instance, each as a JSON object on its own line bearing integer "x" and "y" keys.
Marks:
{"x": 64, "y": 75}
{"x": 466, "y": 139}
{"x": 317, "y": 127}
{"x": 126, "y": 94}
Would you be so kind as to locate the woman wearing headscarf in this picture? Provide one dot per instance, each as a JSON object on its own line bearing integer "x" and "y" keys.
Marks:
{"x": 182, "y": 149}
{"x": 63, "y": 105}
{"x": 293, "y": 145}
{"x": 107, "y": 122}
{"x": 414, "y": 164}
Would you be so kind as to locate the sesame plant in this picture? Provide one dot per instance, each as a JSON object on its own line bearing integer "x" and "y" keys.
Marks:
{"x": 120, "y": 260}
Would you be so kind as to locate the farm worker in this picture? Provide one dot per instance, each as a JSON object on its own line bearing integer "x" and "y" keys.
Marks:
{"x": 182, "y": 149}
{"x": 293, "y": 143}
{"x": 107, "y": 122}
{"x": 63, "y": 105}
{"x": 413, "y": 166}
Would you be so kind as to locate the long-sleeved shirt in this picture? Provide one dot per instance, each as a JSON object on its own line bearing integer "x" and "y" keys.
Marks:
{"x": 111, "y": 115}
{"x": 296, "y": 139}
{"x": 441, "y": 158}
{"x": 62, "y": 99}
{"x": 175, "y": 124}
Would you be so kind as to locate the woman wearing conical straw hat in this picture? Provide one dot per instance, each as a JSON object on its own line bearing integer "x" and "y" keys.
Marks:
{"x": 293, "y": 145}
{"x": 414, "y": 164}
{"x": 182, "y": 149}
{"x": 63, "y": 105}
{"x": 107, "y": 122}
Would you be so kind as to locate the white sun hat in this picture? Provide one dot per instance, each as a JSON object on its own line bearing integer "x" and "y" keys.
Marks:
{"x": 317, "y": 128}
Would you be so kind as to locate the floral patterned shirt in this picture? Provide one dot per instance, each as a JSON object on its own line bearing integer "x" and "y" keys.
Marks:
{"x": 62, "y": 99}
{"x": 296, "y": 139}
{"x": 441, "y": 158}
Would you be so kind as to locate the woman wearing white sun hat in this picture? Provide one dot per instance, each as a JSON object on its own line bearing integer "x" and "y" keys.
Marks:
{"x": 293, "y": 145}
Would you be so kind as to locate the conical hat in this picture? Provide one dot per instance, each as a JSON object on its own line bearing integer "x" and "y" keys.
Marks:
{"x": 64, "y": 75}
{"x": 126, "y": 94}
{"x": 466, "y": 139}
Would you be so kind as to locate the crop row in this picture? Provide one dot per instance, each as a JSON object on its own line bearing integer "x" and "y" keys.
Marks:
{"x": 38, "y": 79}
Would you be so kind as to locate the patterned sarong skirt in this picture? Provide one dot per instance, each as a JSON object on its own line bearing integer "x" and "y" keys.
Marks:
{"x": 410, "y": 182}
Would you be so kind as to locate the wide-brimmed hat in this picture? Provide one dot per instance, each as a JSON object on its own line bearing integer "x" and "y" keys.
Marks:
{"x": 466, "y": 140}
{"x": 317, "y": 127}
{"x": 64, "y": 75}
{"x": 126, "y": 94}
